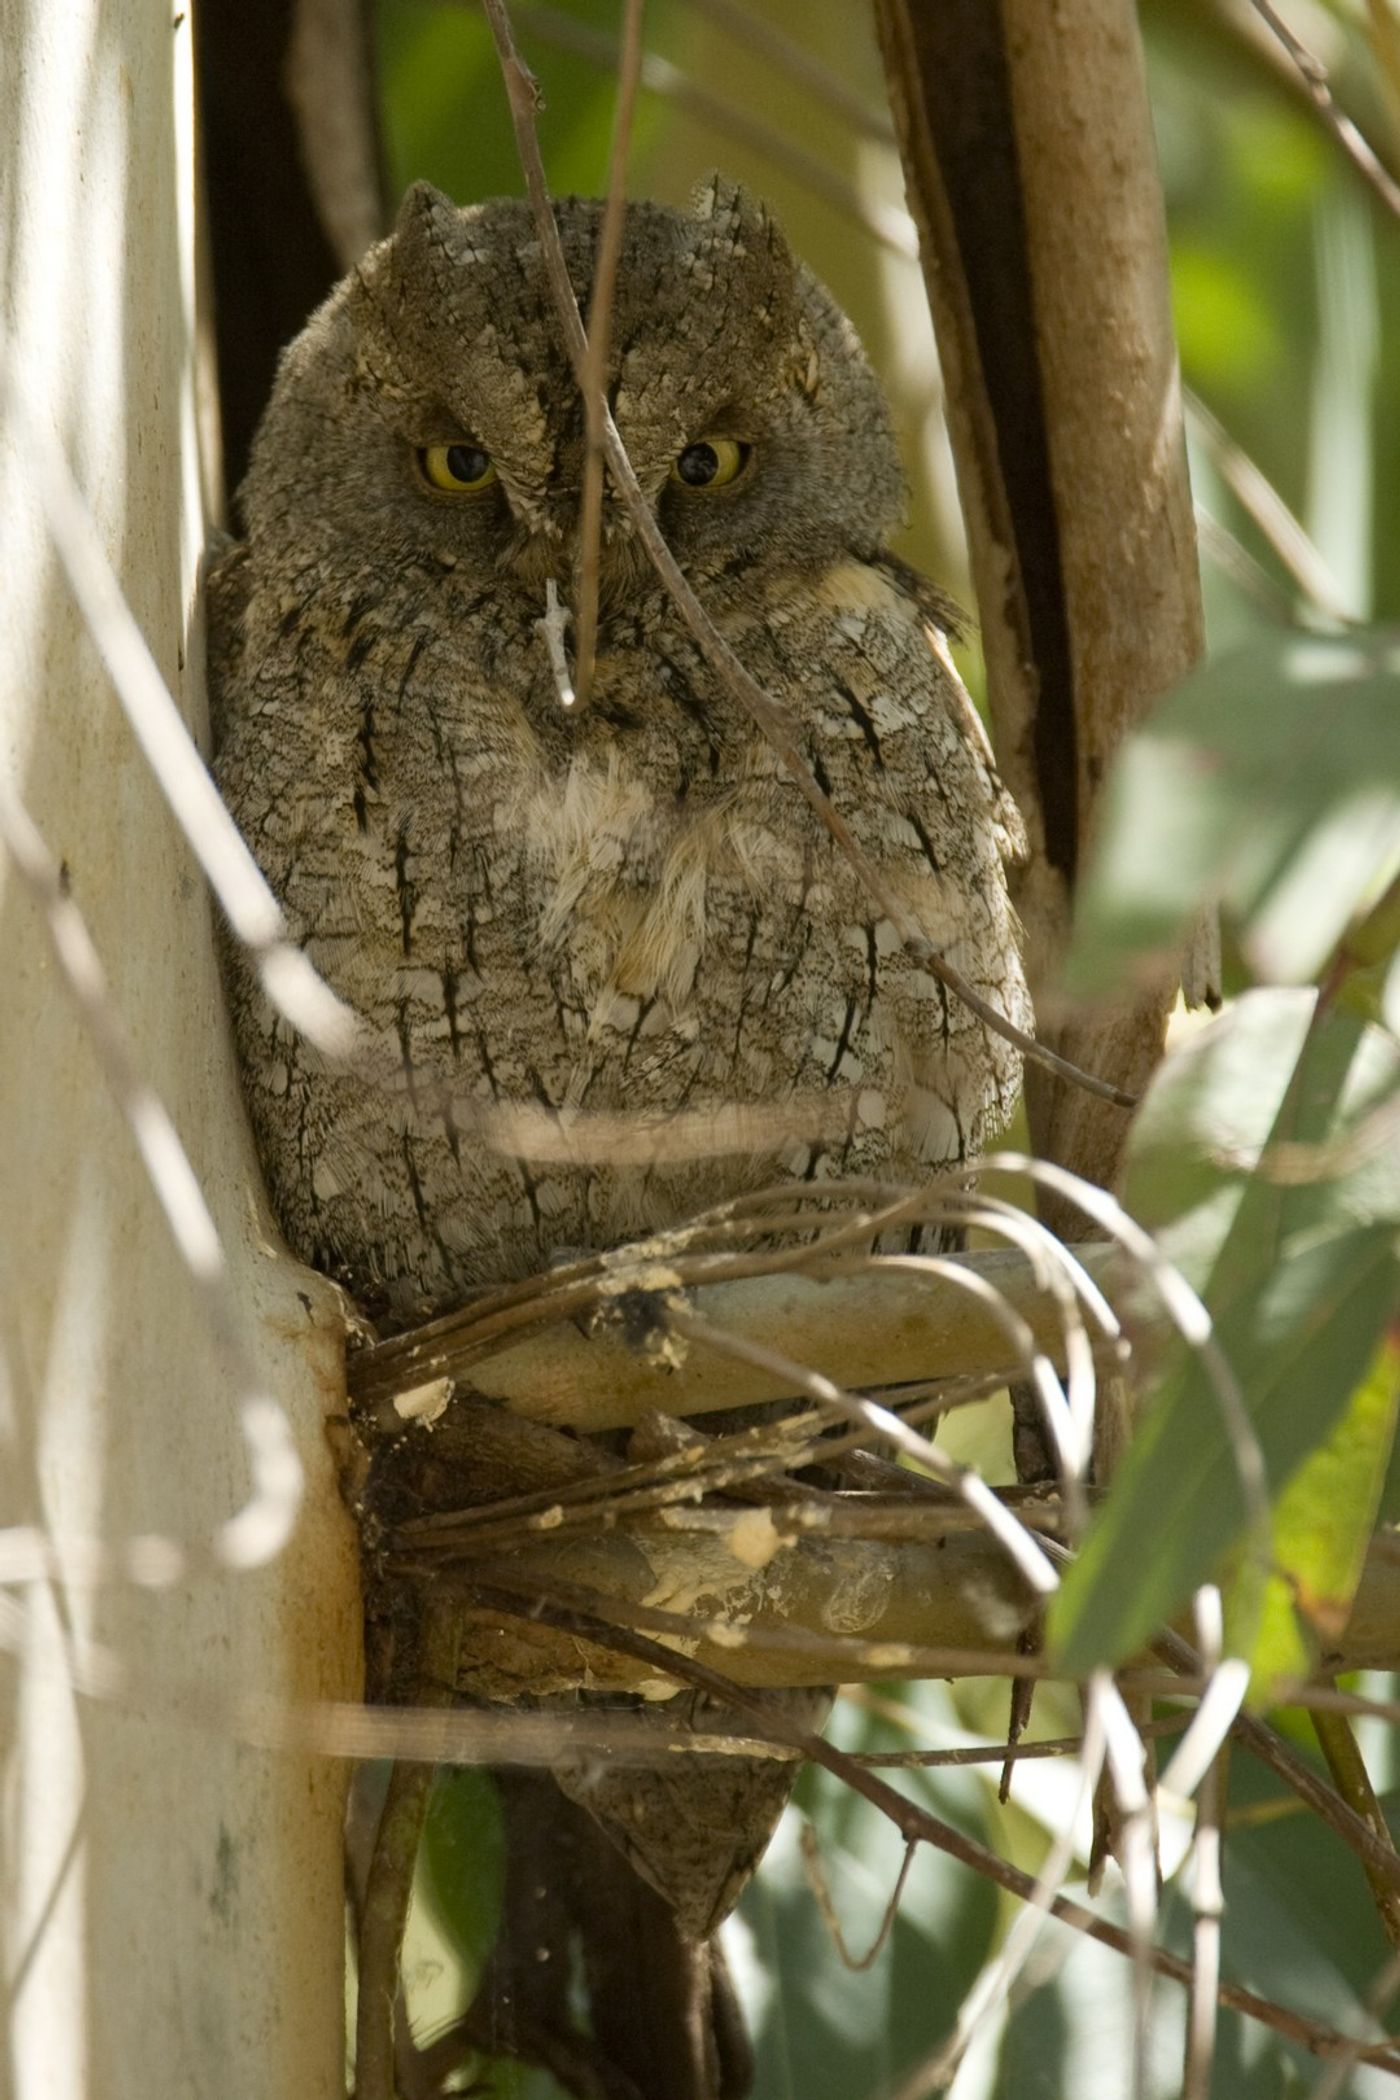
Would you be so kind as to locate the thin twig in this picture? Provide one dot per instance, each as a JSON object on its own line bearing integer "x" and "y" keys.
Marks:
{"x": 1233, "y": 559}
{"x": 1353, "y": 1782}
{"x": 595, "y": 374}
{"x": 1025, "y": 1553}
{"x": 771, "y": 719}
{"x": 993, "y": 1987}
{"x": 1379, "y": 1999}
{"x": 1273, "y": 1751}
{"x": 669, "y": 1510}
{"x": 552, "y": 630}
{"x": 821, "y": 1895}
{"x": 1207, "y": 1896}
{"x": 706, "y": 1465}
{"x": 1357, "y": 148}
{"x": 1383, "y": 27}
{"x": 882, "y": 1708}
{"x": 383, "y": 1915}
{"x": 1256, "y": 495}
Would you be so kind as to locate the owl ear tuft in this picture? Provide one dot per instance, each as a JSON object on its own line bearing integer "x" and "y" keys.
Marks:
{"x": 424, "y": 225}
{"x": 737, "y": 239}
{"x": 395, "y": 278}
{"x": 732, "y": 217}
{"x": 422, "y": 206}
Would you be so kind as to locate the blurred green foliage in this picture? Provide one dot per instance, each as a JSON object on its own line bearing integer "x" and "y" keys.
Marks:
{"x": 446, "y": 119}
{"x": 1286, "y": 279}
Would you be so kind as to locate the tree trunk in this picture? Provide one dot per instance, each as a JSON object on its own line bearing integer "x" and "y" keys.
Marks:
{"x": 171, "y": 1910}
{"x": 1030, "y": 163}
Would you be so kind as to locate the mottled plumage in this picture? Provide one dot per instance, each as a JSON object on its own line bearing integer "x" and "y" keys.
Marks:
{"x": 632, "y": 908}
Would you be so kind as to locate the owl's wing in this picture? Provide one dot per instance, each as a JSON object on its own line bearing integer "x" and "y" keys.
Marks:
{"x": 227, "y": 591}
{"x": 894, "y": 738}
{"x": 1004, "y": 812}
{"x": 945, "y": 621}
{"x": 938, "y": 606}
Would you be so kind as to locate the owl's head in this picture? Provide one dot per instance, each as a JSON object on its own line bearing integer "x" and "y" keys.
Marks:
{"x": 428, "y": 411}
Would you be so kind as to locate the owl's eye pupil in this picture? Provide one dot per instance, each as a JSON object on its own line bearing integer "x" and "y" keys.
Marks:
{"x": 698, "y": 465}
{"x": 710, "y": 463}
{"x": 460, "y": 469}
{"x": 467, "y": 462}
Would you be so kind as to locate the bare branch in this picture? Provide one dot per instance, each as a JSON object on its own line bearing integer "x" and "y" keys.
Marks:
{"x": 1256, "y": 494}
{"x": 1357, "y": 148}
{"x": 867, "y": 1326}
{"x": 595, "y": 375}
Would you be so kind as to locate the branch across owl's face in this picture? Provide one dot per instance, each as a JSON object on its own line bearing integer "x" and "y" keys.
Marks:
{"x": 433, "y": 399}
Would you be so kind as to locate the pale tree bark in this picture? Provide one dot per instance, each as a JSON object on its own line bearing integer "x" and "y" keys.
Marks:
{"x": 171, "y": 1911}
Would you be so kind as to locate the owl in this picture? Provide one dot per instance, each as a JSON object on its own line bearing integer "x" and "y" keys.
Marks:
{"x": 629, "y": 906}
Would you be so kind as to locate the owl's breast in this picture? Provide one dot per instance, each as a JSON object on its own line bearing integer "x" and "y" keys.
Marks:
{"x": 638, "y": 887}
{"x": 606, "y": 918}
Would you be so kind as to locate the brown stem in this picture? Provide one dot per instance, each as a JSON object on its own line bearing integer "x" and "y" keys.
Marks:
{"x": 1377, "y": 1856}
{"x": 1358, "y": 149}
{"x": 1347, "y": 1766}
{"x": 596, "y": 363}
{"x": 383, "y": 1914}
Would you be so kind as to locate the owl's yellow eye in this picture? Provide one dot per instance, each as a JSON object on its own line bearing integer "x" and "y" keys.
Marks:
{"x": 458, "y": 470}
{"x": 710, "y": 463}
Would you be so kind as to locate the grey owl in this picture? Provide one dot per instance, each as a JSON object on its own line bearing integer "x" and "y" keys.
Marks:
{"x": 632, "y": 907}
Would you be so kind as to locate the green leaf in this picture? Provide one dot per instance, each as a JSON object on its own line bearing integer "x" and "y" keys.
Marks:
{"x": 1268, "y": 1071}
{"x": 462, "y": 1862}
{"x": 1300, "y": 1277}
{"x": 1322, "y": 1524}
{"x": 1269, "y": 780}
